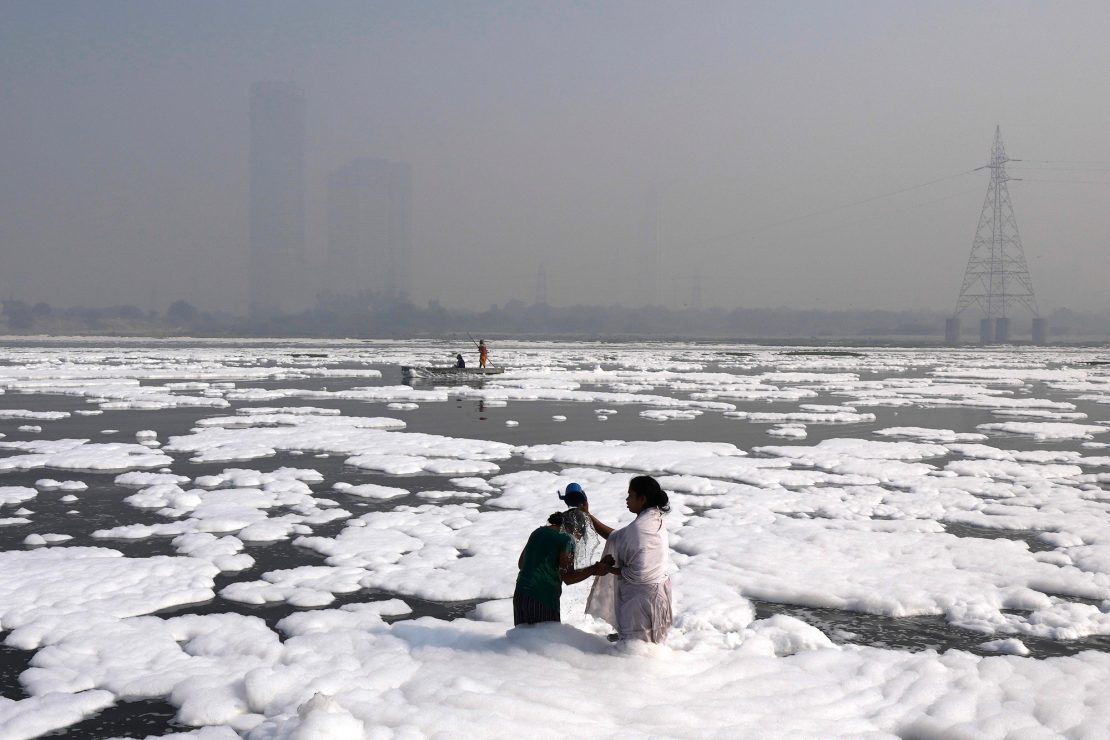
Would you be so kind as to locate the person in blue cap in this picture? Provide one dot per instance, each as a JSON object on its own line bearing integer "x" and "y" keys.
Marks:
{"x": 574, "y": 496}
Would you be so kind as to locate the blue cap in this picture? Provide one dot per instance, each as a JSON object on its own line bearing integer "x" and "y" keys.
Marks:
{"x": 573, "y": 495}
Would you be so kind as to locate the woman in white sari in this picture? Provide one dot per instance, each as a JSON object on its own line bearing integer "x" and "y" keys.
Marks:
{"x": 635, "y": 596}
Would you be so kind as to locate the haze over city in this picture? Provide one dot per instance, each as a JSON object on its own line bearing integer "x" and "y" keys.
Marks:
{"x": 805, "y": 155}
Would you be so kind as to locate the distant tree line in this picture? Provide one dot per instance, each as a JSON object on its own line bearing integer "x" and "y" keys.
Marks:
{"x": 370, "y": 315}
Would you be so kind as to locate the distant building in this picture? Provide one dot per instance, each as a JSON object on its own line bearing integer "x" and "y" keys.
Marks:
{"x": 277, "y": 280}
{"x": 369, "y": 229}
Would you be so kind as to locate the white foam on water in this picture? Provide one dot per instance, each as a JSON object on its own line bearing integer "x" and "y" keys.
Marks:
{"x": 16, "y": 494}
{"x": 80, "y": 455}
{"x": 1046, "y": 429}
{"x": 847, "y": 523}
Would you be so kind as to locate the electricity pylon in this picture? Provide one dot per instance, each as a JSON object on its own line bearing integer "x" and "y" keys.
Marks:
{"x": 997, "y": 276}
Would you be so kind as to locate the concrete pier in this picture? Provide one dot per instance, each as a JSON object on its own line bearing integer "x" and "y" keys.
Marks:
{"x": 986, "y": 331}
{"x": 952, "y": 331}
{"x": 1040, "y": 331}
{"x": 1002, "y": 330}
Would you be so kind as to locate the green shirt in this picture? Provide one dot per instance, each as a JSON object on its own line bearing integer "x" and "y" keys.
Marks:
{"x": 539, "y": 568}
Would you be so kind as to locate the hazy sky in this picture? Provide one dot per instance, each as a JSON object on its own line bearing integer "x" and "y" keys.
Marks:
{"x": 536, "y": 130}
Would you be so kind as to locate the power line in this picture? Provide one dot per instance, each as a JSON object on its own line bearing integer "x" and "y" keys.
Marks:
{"x": 1063, "y": 161}
{"x": 834, "y": 209}
{"x": 1072, "y": 182}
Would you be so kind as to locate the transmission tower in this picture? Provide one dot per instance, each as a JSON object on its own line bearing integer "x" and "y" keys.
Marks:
{"x": 997, "y": 276}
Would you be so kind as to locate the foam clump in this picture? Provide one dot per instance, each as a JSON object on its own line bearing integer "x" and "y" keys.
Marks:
{"x": 371, "y": 490}
{"x": 16, "y": 494}
{"x": 38, "y": 715}
{"x": 1010, "y": 646}
{"x": 322, "y": 718}
{"x": 74, "y": 584}
{"x": 1044, "y": 430}
{"x": 36, "y": 540}
{"x": 80, "y": 454}
{"x": 786, "y": 635}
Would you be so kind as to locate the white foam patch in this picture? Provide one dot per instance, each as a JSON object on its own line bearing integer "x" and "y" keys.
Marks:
{"x": 38, "y": 715}
{"x": 306, "y": 586}
{"x": 449, "y": 494}
{"x": 790, "y": 431}
{"x": 670, "y": 414}
{"x": 80, "y": 455}
{"x": 16, "y": 494}
{"x": 646, "y": 456}
{"x": 1040, "y": 414}
{"x": 49, "y": 484}
{"x": 1046, "y": 429}
{"x": 35, "y": 415}
{"x": 241, "y": 509}
{"x": 36, "y": 540}
{"x": 363, "y": 440}
{"x": 45, "y": 592}
{"x": 371, "y": 490}
{"x": 808, "y": 417}
{"x": 139, "y": 479}
{"x": 226, "y": 553}
{"x": 930, "y": 435}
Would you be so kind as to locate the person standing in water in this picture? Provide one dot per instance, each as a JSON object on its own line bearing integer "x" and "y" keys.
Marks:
{"x": 546, "y": 563}
{"x": 635, "y": 595}
{"x": 483, "y": 353}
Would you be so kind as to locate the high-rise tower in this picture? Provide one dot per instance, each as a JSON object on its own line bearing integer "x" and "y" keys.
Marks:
{"x": 369, "y": 228}
{"x": 276, "y": 277}
{"x": 997, "y": 276}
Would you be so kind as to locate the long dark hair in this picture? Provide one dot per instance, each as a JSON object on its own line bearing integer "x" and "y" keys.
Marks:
{"x": 649, "y": 488}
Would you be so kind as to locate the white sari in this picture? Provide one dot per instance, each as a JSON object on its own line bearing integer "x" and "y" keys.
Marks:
{"x": 638, "y": 601}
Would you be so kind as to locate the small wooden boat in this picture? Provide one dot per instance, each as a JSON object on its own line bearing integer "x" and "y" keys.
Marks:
{"x": 448, "y": 374}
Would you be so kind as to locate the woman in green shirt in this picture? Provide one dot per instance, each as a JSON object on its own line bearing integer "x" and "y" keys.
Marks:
{"x": 546, "y": 563}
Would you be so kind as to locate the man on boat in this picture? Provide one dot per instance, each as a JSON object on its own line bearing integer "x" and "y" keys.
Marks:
{"x": 483, "y": 353}
{"x": 459, "y": 361}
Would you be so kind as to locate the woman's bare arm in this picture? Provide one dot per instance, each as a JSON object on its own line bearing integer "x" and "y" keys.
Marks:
{"x": 602, "y": 528}
{"x": 571, "y": 576}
